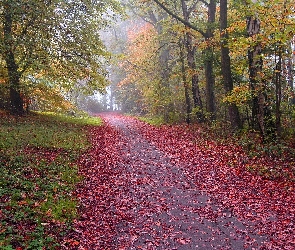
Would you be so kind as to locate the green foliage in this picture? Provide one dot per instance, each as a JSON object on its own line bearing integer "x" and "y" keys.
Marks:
{"x": 37, "y": 178}
{"x": 157, "y": 121}
{"x": 252, "y": 144}
{"x": 48, "y": 130}
{"x": 61, "y": 209}
{"x": 76, "y": 120}
{"x": 240, "y": 95}
{"x": 40, "y": 136}
{"x": 273, "y": 173}
{"x": 55, "y": 45}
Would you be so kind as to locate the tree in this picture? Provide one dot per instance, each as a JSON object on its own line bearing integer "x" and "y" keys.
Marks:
{"x": 209, "y": 58}
{"x": 57, "y": 40}
{"x": 252, "y": 61}
{"x": 267, "y": 48}
{"x": 272, "y": 44}
{"x": 156, "y": 62}
{"x": 141, "y": 87}
{"x": 208, "y": 53}
{"x": 233, "y": 111}
{"x": 191, "y": 60}
{"x": 185, "y": 82}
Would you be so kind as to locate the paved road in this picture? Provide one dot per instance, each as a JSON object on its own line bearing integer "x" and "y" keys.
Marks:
{"x": 154, "y": 205}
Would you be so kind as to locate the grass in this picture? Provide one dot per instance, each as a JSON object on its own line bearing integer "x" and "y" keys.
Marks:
{"x": 156, "y": 121}
{"x": 37, "y": 177}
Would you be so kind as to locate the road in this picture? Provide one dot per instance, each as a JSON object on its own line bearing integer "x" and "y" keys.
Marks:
{"x": 134, "y": 196}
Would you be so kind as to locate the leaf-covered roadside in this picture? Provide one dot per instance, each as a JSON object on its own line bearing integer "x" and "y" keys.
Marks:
{"x": 117, "y": 211}
{"x": 99, "y": 193}
{"x": 259, "y": 189}
{"x": 38, "y": 175}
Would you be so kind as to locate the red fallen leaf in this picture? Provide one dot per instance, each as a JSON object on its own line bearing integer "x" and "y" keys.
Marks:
{"x": 22, "y": 203}
{"x": 75, "y": 243}
{"x": 286, "y": 222}
{"x": 72, "y": 242}
{"x": 183, "y": 241}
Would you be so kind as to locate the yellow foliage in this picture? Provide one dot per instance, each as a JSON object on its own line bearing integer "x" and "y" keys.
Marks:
{"x": 240, "y": 95}
{"x": 49, "y": 99}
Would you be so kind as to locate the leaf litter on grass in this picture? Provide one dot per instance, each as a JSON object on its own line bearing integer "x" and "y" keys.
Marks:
{"x": 38, "y": 175}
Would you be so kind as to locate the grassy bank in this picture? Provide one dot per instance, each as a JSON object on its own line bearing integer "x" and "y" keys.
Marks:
{"x": 37, "y": 177}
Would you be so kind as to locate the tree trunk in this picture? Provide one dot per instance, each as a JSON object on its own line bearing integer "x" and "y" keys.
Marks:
{"x": 233, "y": 111}
{"x": 210, "y": 82}
{"x": 291, "y": 76}
{"x": 185, "y": 85}
{"x": 16, "y": 103}
{"x": 261, "y": 115}
{"x": 192, "y": 65}
{"x": 195, "y": 79}
{"x": 210, "y": 79}
{"x": 208, "y": 63}
{"x": 255, "y": 67}
{"x": 164, "y": 82}
{"x": 278, "y": 84}
{"x": 164, "y": 56}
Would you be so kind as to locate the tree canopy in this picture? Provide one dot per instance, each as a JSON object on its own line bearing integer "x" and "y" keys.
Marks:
{"x": 53, "y": 43}
{"x": 192, "y": 60}
{"x": 229, "y": 61}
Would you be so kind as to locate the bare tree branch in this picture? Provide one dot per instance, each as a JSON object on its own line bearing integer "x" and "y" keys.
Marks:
{"x": 187, "y": 24}
{"x": 192, "y": 8}
{"x": 204, "y": 2}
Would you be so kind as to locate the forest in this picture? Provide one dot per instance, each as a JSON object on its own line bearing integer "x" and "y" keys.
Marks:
{"x": 225, "y": 62}
{"x": 230, "y": 62}
{"x": 147, "y": 124}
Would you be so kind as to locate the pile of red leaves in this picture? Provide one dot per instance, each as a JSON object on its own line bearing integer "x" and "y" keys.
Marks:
{"x": 218, "y": 170}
